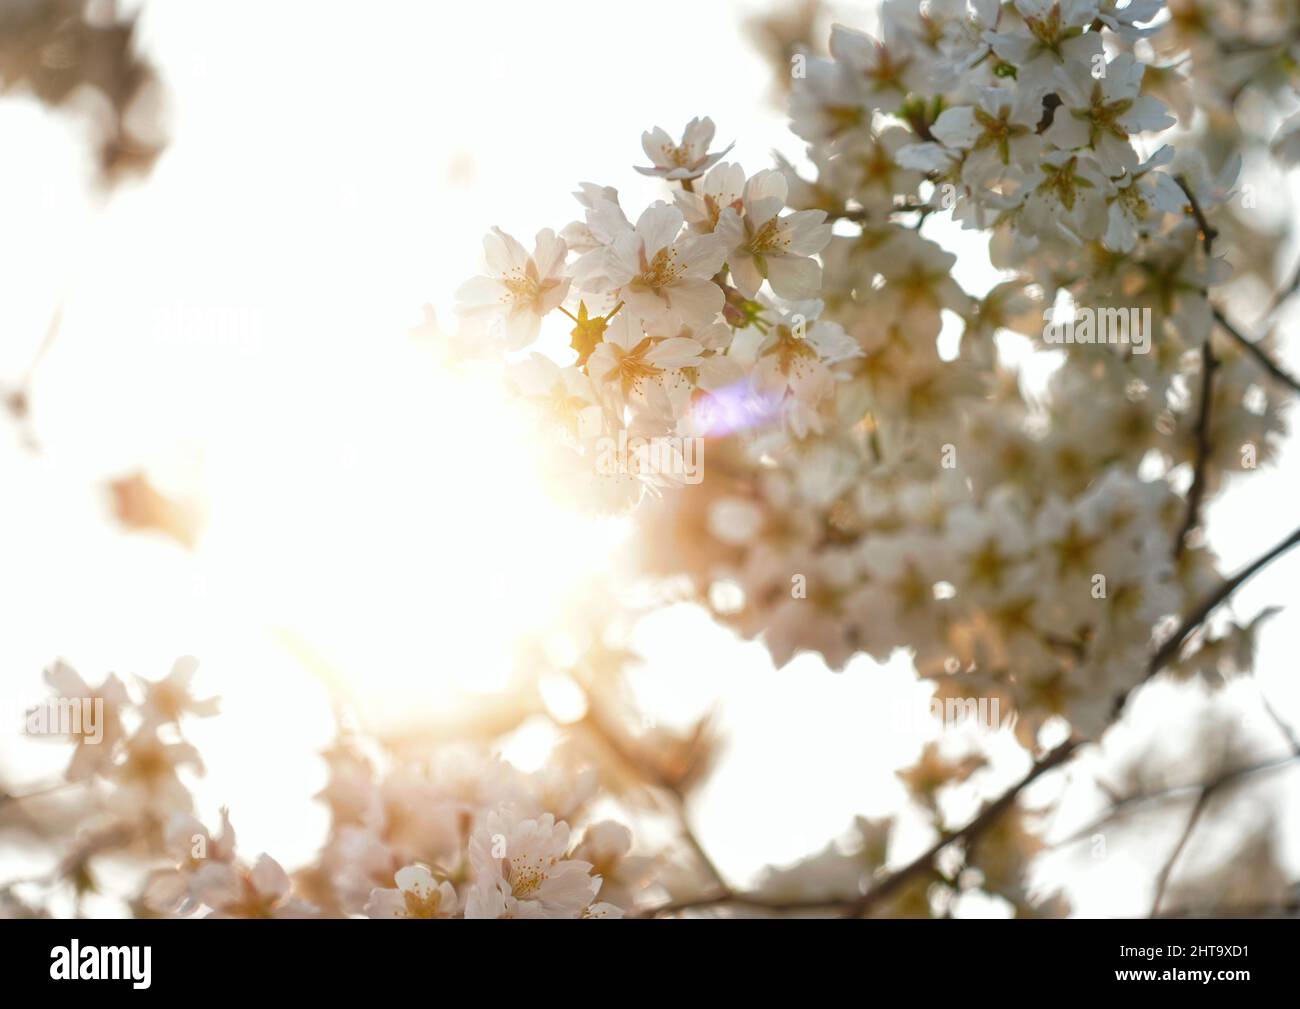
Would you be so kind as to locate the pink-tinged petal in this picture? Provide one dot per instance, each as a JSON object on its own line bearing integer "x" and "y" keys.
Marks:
{"x": 1120, "y": 234}
{"x": 719, "y": 372}
{"x": 654, "y": 143}
{"x": 166, "y": 890}
{"x": 268, "y": 878}
{"x": 113, "y": 691}
{"x": 65, "y": 681}
{"x": 1147, "y": 114}
{"x": 698, "y": 135}
{"x": 520, "y": 329}
{"x": 730, "y": 230}
{"x": 675, "y": 352}
{"x": 216, "y": 885}
{"x": 184, "y": 668}
{"x": 488, "y": 899}
{"x": 793, "y": 277}
{"x": 504, "y": 253}
{"x": 695, "y": 299}
{"x": 806, "y": 232}
{"x": 480, "y": 292}
{"x": 768, "y": 184}
{"x": 86, "y": 759}
{"x": 745, "y": 273}
{"x": 658, "y": 226}
{"x": 603, "y": 363}
{"x": 384, "y": 904}
{"x": 1013, "y": 47}
{"x": 847, "y": 45}
{"x": 832, "y": 343}
{"x": 205, "y": 708}
{"x": 550, "y": 253}
{"x": 642, "y": 304}
{"x": 415, "y": 879}
{"x": 552, "y": 297}
{"x": 702, "y": 255}
{"x": 956, "y": 127}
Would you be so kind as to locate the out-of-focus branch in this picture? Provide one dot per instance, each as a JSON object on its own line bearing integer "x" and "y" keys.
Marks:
{"x": 1196, "y": 492}
{"x": 1212, "y": 601}
{"x": 1169, "y": 649}
{"x": 1208, "y": 233}
{"x": 1254, "y": 350}
{"x": 968, "y": 834}
{"x": 1162, "y": 880}
{"x": 650, "y": 770}
{"x": 1284, "y": 908}
{"x": 1284, "y": 292}
{"x": 1119, "y": 808}
{"x": 38, "y": 793}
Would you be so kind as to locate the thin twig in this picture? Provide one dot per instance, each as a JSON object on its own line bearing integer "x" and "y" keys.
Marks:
{"x": 1282, "y": 726}
{"x": 38, "y": 793}
{"x": 1255, "y": 351}
{"x": 1288, "y": 907}
{"x": 1163, "y": 879}
{"x": 1208, "y": 233}
{"x": 1284, "y": 292}
{"x": 1121, "y": 806}
{"x": 985, "y": 819}
{"x": 1170, "y": 648}
{"x": 652, "y": 772}
{"x": 1196, "y": 491}
{"x": 748, "y": 900}
{"x": 1212, "y": 601}
{"x": 892, "y": 882}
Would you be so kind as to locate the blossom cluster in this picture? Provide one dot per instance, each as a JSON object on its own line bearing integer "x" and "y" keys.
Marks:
{"x": 688, "y": 322}
{"x": 1026, "y": 544}
{"x": 461, "y": 835}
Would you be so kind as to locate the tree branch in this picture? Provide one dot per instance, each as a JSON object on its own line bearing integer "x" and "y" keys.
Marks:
{"x": 1120, "y": 807}
{"x": 1163, "y": 879}
{"x": 1211, "y": 602}
{"x": 1196, "y": 492}
{"x": 986, "y": 818}
{"x": 1252, "y": 348}
{"x": 1170, "y": 648}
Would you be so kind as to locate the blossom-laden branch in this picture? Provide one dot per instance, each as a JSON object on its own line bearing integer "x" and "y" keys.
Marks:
{"x": 1193, "y": 620}
{"x": 893, "y": 882}
{"x": 969, "y": 834}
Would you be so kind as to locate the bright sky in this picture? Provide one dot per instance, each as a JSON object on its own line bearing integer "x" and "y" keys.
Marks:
{"x": 238, "y": 326}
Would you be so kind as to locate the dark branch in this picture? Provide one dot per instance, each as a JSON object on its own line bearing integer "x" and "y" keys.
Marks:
{"x": 986, "y": 818}
{"x": 1169, "y": 650}
{"x": 1255, "y": 351}
{"x": 1196, "y": 493}
{"x": 1122, "y": 806}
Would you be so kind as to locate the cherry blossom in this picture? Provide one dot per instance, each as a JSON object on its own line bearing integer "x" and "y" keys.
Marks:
{"x": 681, "y": 161}
{"x": 519, "y": 289}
